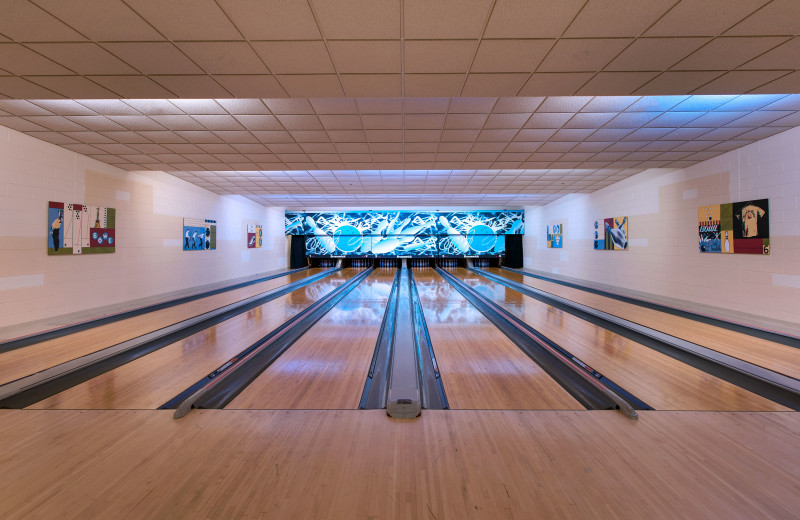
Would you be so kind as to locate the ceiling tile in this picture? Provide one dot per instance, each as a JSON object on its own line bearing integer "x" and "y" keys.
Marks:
{"x": 83, "y": 58}
{"x": 616, "y": 18}
{"x": 192, "y": 86}
{"x": 22, "y": 61}
{"x": 784, "y": 56}
{"x": 73, "y": 86}
{"x": 609, "y": 83}
{"x": 422, "y": 85}
{"x": 358, "y": 19}
{"x": 510, "y": 55}
{"x": 424, "y": 121}
{"x": 738, "y": 81}
{"x": 295, "y": 57}
{"x": 788, "y": 83}
{"x": 494, "y": 84}
{"x": 153, "y": 57}
{"x": 476, "y": 105}
{"x": 356, "y": 85}
{"x": 590, "y": 54}
{"x": 557, "y": 83}
{"x": 465, "y": 121}
{"x": 187, "y": 19}
{"x": 779, "y": 17}
{"x": 341, "y": 122}
{"x": 728, "y": 53}
{"x": 224, "y": 57}
{"x": 702, "y": 17}
{"x": 438, "y": 56}
{"x": 274, "y": 20}
{"x": 26, "y": 22}
{"x": 259, "y": 86}
{"x": 101, "y": 20}
{"x": 300, "y": 122}
{"x": 311, "y": 85}
{"x": 444, "y": 19}
{"x": 154, "y": 106}
{"x": 531, "y": 18}
{"x": 655, "y": 53}
{"x": 136, "y": 123}
{"x": 674, "y": 81}
{"x": 366, "y": 56}
{"x": 218, "y": 122}
{"x": 140, "y": 87}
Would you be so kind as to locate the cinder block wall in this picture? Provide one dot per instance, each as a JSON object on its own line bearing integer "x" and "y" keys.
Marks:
{"x": 663, "y": 257}
{"x": 149, "y": 259}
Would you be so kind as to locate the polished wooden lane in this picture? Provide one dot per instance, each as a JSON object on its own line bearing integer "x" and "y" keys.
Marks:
{"x": 768, "y": 354}
{"x": 326, "y": 368}
{"x": 152, "y": 380}
{"x": 35, "y": 358}
{"x": 659, "y": 380}
{"x": 360, "y": 464}
{"x": 481, "y": 368}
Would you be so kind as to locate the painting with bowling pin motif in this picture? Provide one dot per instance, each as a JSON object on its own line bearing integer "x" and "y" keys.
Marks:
{"x": 555, "y": 238}
{"x": 199, "y": 234}
{"x": 738, "y": 227}
{"x": 611, "y": 234}
{"x": 79, "y": 229}
{"x": 255, "y": 236}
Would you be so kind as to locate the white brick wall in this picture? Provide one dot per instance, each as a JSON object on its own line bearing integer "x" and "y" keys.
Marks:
{"x": 663, "y": 257}
{"x": 148, "y": 260}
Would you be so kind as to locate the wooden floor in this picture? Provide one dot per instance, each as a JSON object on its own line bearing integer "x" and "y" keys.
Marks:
{"x": 480, "y": 367}
{"x": 34, "y": 358}
{"x": 327, "y": 367}
{"x": 154, "y": 379}
{"x": 225, "y": 464}
{"x": 768, "y": 354}
{"x": 659, "y": 380}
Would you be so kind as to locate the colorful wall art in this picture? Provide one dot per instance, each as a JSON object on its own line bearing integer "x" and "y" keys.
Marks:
{"x": 255, "y": 236}
{"x": 611, "y": 234}
{"x": 555, "y": 238}
{"x": 405, "y": 233}
{"x": 199, "y": 234}
{"x": 78, "y": 229}
{"x": 738, "y": 227}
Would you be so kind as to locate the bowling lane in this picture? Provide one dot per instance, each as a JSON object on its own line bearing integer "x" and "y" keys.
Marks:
{"x": 774, "y": 356}
{"x": 326, "y": 368}
{"x": 481, "y": 368}
{"x": 152, "y": 380}
{"x": 34, "y": 358}
{"x": 659, "y": 380}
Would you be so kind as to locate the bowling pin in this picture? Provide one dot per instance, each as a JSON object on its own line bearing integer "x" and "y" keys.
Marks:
{"x": 727, "y": 243}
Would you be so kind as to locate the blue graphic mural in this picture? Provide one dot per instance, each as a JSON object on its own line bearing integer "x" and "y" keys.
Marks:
{"x": 405, "y": 233}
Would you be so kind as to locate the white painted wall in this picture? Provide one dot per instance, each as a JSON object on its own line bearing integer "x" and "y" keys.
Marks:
{"x": 148, "y": 260}
{"x": 663, "y": 257}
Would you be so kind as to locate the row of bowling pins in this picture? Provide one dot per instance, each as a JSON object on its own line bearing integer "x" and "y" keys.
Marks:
{"x": 481, "y": 262}
{"x": 362, "y": 262}
{"x": 448, "y": 262}
{"x": 418, "y": 262}
{"x": 387, "y": 262}
{"x": 327, "y": 262}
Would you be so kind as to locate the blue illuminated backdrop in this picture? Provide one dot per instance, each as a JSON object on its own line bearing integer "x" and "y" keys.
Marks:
{"x": 405, "y": 233}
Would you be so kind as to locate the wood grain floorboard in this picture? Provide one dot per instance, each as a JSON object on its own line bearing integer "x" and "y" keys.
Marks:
{"x": 222, "y": 464}
{"x": 40, "y": 356}
{"x": 768, "y": 354}
{"x": 326, "y": 368}
{"x": 659, "y": 380}
{"x": 480, "y": 367}
{"x": 152, "y": 380}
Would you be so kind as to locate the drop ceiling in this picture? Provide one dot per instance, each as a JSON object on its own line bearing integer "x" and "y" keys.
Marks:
{"x": 412, "y": 102}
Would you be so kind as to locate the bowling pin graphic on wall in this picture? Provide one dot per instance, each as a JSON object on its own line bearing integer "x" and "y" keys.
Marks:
{"x": 738, "y": 227}
{"x": 78, "y": 229}
{"x": 199, "y": 234}
{"x": 611, "y": 234}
